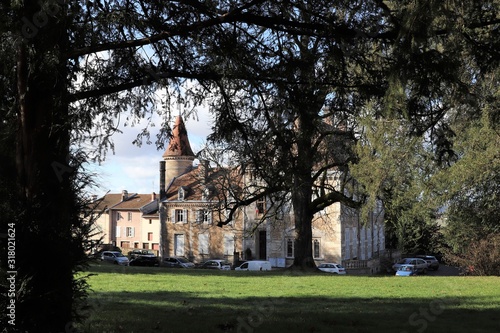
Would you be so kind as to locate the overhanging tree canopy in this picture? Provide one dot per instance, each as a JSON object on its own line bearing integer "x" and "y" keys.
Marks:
{"x": 68, "y": 66}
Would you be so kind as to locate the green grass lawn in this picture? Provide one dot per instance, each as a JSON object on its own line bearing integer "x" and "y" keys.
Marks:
{"x": 134, "y": 299}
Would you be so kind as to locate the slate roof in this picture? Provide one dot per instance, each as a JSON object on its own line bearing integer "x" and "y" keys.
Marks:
{"x": 195, "y": 185}
{"x": 191, "y": 181}
{"x": 134, "y": 201}
{"x": 108, "y": 201}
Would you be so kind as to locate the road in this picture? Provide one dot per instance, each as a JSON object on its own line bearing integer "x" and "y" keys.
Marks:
{"x": 444, "y": 271}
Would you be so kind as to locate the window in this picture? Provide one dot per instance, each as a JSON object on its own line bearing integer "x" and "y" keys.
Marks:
{"x": 203, "y": 243}
{"x": 130, "y": 231}
{"x": 207, "y": 217}
{"x": 316, "y": 248}
{"x": 181, "y": 194}
{"x": 354, "y": 243}
{"x": 229, "y": 244}
{"x": 145, "y": 246}
{"x": 179, "y": 245}
{"x": 290, "y": 248}
{"x": 206, "y": 194}
{"x": 204, "y": 216}
{"x": 347, "y": 242}
{"x": 150, "y": 221}
{"x": 150, "y": 236}
{"x": 179, "y": 215}
{"x": 260, "y": 206}
{"x": 118, "y": 216}
{"x": 129, "y": 216}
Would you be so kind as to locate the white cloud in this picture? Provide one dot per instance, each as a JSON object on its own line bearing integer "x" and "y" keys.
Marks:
{"x": 136, "y": 169}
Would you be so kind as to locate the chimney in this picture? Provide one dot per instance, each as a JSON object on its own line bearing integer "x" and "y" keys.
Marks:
{"x": 203, "y": 170}
{"x": 124, "y": 195}
{"x": 153, "y": 196}
{"x": 162, "y": 179}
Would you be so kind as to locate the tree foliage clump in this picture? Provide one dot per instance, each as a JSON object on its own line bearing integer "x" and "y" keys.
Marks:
{"x": 481, "y": 258}
{"x": 432, "y": 149}
{"x": 470, "y": 188}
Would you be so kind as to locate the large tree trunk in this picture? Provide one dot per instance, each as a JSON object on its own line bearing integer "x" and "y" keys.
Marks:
{"x": 303, "y": 228}
{"x": 302, "y": 190}
{"x": 46, "y": 252}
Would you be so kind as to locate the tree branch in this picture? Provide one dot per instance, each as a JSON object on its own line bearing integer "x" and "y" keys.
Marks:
{"x": 331, "y": 198}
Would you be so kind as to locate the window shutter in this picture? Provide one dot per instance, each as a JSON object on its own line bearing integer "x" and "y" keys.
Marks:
{"x": 132, "y": 234}
{"x": 173, "y": 216}
{"x": 209, "y": 216}
{"x": 185, "y": 215}
{"x": 118, "y": 231}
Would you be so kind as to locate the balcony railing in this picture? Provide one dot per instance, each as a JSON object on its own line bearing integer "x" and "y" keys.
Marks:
{"x": 355, "y": 264}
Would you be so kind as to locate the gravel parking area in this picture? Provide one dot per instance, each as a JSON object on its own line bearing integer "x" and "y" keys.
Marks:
{"x": 444, "y": 271}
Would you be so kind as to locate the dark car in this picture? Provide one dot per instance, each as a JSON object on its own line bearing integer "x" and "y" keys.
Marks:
{"x": 432, "y": 262}
{"x": 145, "y": 261}
{"x": 216, "y": 264}
{"x": 140, "y": 253}
{"x": 176, "y": 262}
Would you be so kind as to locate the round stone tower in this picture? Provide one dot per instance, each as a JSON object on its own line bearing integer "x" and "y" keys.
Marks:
{"x": 178, "y": 156}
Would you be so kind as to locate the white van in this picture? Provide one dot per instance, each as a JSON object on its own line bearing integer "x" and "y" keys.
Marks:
{"x": 255, "y": 265}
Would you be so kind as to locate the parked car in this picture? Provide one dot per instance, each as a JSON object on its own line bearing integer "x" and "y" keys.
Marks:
{"x": 216, "y": 264}
{"x": 420, "y": 264}
{"x": 145, "y": 261}
{"x": 432, "y": 262}
{"x": 406, "y": 270}
{"x": 176, "y": 262}
{"x": 255, "y": 265}
{"x": 114, "y": 257}
{"x": 104, "y": 247}
{"x": 332, "y": 268}
{"x": 140, "y": 253}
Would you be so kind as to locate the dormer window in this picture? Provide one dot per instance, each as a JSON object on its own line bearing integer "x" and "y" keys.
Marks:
{"x": 206, "y": 194}
{"x": 182, "y": 194}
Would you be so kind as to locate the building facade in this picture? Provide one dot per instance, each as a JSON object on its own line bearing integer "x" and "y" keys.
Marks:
{"x": 183, "y": 219}
{"x": 128, "y": 220}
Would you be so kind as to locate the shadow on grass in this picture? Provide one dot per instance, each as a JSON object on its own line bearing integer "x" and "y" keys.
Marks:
{"x": 196, "y": 312}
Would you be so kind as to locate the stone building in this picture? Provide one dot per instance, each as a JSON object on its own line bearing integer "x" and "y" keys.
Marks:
{"x": 183, "y": 219}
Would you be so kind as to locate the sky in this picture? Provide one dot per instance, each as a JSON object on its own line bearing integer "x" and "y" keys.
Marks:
{"x": 136, "y": 169}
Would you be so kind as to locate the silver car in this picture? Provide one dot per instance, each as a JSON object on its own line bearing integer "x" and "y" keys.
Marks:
{"x": 420, "y": 265}
{"x": 114, "y": 257}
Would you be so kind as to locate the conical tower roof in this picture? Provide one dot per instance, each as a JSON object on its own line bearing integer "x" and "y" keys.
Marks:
{"x": 179, "y": 143}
